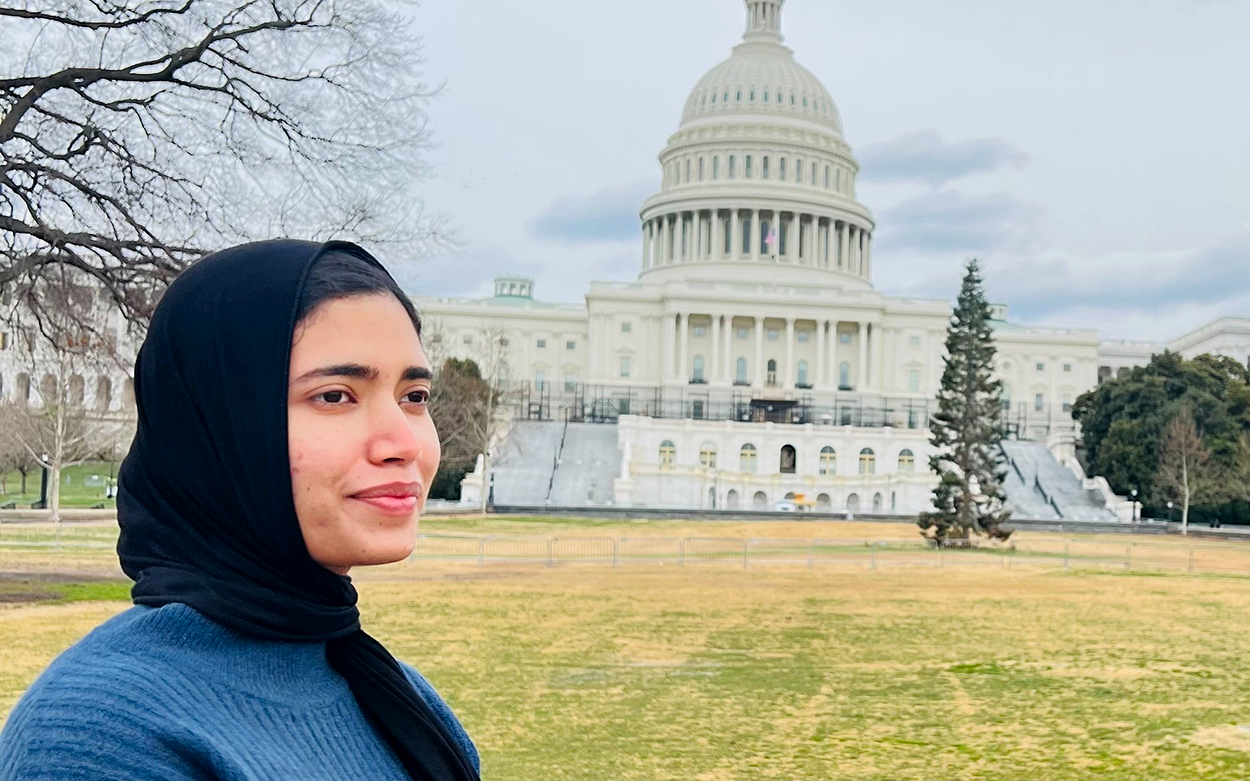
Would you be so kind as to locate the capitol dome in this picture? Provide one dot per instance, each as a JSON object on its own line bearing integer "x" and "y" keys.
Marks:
{"x": 762, "y": 78}
{"x": 759, "y": 180}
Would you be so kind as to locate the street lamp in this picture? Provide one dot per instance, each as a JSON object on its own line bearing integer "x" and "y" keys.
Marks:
{"x": 1134, "y": 492}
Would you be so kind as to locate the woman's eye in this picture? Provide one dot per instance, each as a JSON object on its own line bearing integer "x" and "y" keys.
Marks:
{"x": 335, "y": 397}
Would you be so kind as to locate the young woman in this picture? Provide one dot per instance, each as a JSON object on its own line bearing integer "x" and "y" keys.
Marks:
{"x": 283, "y": 439}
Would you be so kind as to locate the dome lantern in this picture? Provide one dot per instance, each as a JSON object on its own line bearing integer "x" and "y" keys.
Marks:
{"x": 764, "y": 21}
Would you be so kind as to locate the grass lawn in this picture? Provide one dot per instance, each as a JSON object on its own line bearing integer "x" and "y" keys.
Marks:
{"x": 712, "y": 672}
{"x": 81, "y": 486}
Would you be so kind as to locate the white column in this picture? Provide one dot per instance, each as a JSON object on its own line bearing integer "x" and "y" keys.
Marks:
{"x": 727, "y": 356}
{"x": 818, "y": 241}
{"x": 844, "y": 247}
{"x": 662, "y": 253}
{"x": 859, "y": 252}
{"x": 759, "y": 352}
{"x": 820, "y": 355}
{"x": 684, "y": 325}
{"x": 735, "y": 251}
{"x": 861, "y": 371}
{"x": 874, "y": 344}
{"x": 669, "y": 344}
{"x": 789, "y": 377}
{"x": 648, "y": 239}
{"x": 754, "y": 249}
{"x": 714, "y": 369}
{"x": 796, "y": 237}
{"x": 697, "y": 219}
{"x": 718, "y": 236}
{"x": 833, "y": 353}
{"x": 868, "y": 255}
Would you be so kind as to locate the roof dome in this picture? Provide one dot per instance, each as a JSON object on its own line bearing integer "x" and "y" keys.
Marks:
{"x": 762, "y": 78}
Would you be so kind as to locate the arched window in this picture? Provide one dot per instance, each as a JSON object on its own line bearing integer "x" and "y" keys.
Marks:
{"x": 812, "y": 180}
{"x": 828, "y": 173}
{"x": 747, "y": 458}
{"x": 844, "y": 376}
{"x": 716, "y": 167}
{"x": 798, "y": 171}
{"x": 707, "y": 455}
{"x": 893, "y": 501}
{"x": 766, "y": 227}
{"x": 700, "y": 169}
{"x": 823, "y": 502}
{"x": 748, "y": 165}
{"x": 687, "y": 170}
{"x": 782, "y": 170}
{"x": 668, "y": 452}
{"x": 802, "y": 378}
{"x": 766, "y": 169}
{"x": 77, "y": 389}
{"x": 731, "y": 500}
{"x": 733, "y": 166}
{"x": 760, "y": 499}
{"x": 47, "y": 390}
{"x": 698, "y": 368}
{"x": 767, "y": 95}
{"x": 852, "y": 503}
{"x": 876, "y": 503}
{"x": 740, "y": 371}
{"x": 867, "y": 462}
{"x": 746, "y": 237}
{"x": 103, "y": 394}
{"x": 772, "y": 371}
{"x": 906, "y": 461}
{"x": 22, "y": 389}
{"x": 828, "y": 461}
{"x": 788, "y": 459}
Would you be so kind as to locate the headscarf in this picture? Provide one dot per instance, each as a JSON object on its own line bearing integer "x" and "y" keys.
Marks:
{"x": 205, "y": 503}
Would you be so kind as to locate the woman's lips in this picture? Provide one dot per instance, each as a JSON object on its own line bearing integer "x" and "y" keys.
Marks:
{"x": 391, "y": 505}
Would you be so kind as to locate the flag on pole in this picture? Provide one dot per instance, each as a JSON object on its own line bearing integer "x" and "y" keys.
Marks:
{"x": 771, "y": 239}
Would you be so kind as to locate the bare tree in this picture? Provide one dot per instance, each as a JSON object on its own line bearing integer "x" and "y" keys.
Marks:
{"x": 14, "y": 456}
{"x": 468, "y": 398}
{"x": 137, "y": 135}
{"x": 1186, "y": 471}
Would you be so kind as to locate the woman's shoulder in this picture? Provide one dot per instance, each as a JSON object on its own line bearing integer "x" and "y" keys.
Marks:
{"x": 444, "y": 712}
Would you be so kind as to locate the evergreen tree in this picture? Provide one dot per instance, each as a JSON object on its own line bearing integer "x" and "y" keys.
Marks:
{"x": 966, "y": 428}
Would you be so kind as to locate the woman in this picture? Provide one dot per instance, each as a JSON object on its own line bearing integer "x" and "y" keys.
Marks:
{"x": 283, "y": 439}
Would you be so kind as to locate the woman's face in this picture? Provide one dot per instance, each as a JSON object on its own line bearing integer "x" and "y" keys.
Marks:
{"x": 362, "y": 444}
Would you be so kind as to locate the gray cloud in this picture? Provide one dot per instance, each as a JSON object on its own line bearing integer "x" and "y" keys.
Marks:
{"x": 608, "y": 215}
{"x": 923, "y": 156}
{"x": 1134, "y": 282}
{"x": 946, "y": 221}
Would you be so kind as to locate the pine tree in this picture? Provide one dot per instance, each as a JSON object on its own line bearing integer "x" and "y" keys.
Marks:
{"x": 966, "y": 429}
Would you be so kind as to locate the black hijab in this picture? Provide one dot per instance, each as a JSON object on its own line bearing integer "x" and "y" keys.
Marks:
{"x": 205, "y": 503}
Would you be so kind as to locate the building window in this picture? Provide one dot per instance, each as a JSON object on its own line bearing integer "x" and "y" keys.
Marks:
{"x": 906, "y": 461}
{"x": 788, "y": 460}
{"x": 698, "y": 369}
{"x": 700, "y": 169}
{"x": 748, "y": 164}
{"x": 733, "y": 161}
{"x": 700, "y": 331}
{"x": 540, "y": 379}
{"x": 744, "y": 333}
{"x": 766, "y": 233}
{"x": 913, "y": 418}
{"x": 802, "y": 378}
{"x": 845, "y": 337}
{"x": 570, "y": 382}
{"x": 627, "y": 327}
{"x": 1039, "y": 402}
{"x": 798, "y": 171}
{"x": 668, "y": 453}
{"x": 783, "y": 169}
{"x": 812, "y": 180}
{"x": 466, "y": 339}
{"x": 570, "y": 345}
{"x": 746, "y": 237}
{"x": 740, "y": 373}
{"x": 804, "y": 336}
{"x": 542, "y": 344}
{"x": 1067, "y": 368}
{"x": 715, "y": 167}
{"x": 844, "y": 376}
{"x": 766, "y": 171}
{"x": 827, "y": 177}
{"x": 687, "y": 170}
{"x": 828, "y": 461}
{"x": 772, "y": 372}
{"x": 913, "y": 380}
{"x": 915, "y": 341}
{"x": 1041, "y": 367}
{"x": 1067, "y": 402}
{"x": 624, "y": 366}
{"x": 773, "y": 334}
{"x": 747, "y": 458}
{"x": 867, "y": 462}
{"x": 707, "y": 455}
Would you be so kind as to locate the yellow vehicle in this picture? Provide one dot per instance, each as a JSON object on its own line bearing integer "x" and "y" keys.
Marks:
{"x": 803, "y": 504}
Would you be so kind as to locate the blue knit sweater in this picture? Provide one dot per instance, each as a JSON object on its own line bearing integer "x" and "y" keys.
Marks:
{"x": 166, "y": 694}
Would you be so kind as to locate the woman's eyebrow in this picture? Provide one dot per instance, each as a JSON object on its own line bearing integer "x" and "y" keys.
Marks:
{"x": 357, "y": 371}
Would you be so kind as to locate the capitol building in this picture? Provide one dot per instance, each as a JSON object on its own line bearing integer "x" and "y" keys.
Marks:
{"x": 752, "y": 360}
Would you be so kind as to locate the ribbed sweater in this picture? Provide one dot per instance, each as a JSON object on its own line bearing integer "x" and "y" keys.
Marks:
{"x": 166, "y": 694}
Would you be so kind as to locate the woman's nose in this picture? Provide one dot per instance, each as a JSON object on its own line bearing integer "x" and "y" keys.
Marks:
{"x": 391, "y": 435}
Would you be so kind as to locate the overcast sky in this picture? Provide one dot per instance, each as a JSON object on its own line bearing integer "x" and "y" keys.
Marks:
{"x": 1095, "y": 153}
